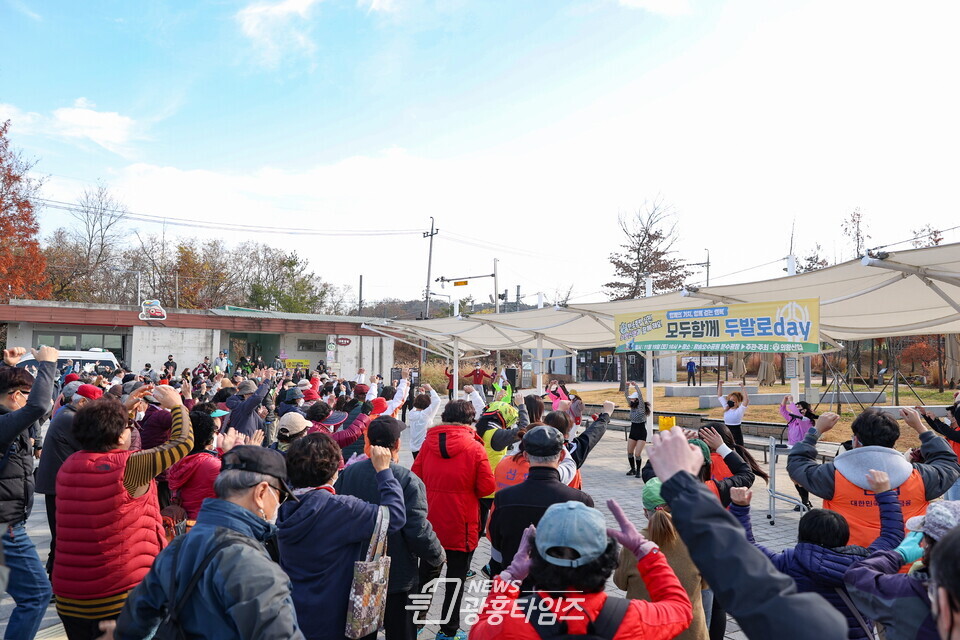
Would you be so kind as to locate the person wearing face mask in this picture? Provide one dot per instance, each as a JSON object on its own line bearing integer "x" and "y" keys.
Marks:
{"x": 291, "y": 402}
{"x": 841, "y": 483}
{"x": 800, "y": 419}
{"x": 109, "y": 528}
{"x": 944, "y": 587}
{"x": 734, "y": 407}
{"x": 324, "y": 533}
{"x": 23, "y": 400}
{"x": 241, "y": 592}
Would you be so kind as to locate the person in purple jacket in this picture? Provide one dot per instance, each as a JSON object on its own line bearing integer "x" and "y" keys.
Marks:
{"x": 901, "y": 601}
{"x": 800, "y": 419}
{"x": 822, "y": 556}
{"x": 322, "y": 535}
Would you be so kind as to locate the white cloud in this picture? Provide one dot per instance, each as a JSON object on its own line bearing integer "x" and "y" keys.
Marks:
{"x": 278, "y": 29}
{"x": 107, "y": 129}
{"x": 379, "y": 6}
{"x": 662, "y": 7}
{"x": 22, "y": 7}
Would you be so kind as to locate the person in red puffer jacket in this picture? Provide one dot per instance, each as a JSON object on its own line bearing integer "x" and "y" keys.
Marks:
{"x": 454, "y": 468}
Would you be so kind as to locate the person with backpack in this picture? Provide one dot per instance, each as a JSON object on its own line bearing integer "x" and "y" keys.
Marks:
{"x": 571, "y": 550}
{"x": 218, "y": 581}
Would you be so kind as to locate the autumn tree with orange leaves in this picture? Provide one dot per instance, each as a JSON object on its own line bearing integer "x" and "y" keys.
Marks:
{"x": 22, "y": 263}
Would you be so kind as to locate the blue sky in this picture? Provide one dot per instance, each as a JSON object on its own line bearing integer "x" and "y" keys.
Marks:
{"x": 526, "y": 124}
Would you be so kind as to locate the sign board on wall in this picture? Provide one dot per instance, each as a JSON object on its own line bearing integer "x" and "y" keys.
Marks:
{"x": 331, "y": 347}
{"x": 290, "y": 363}
{"x": 343, "y": 342}
{"x": 790, "y": 368}
{"x": 791, "y": 326}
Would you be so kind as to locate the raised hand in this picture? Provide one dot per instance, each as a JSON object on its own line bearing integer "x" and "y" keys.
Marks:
{"x": 519, "y": 567}
{"x": 670, "y": 453}
{"x": 879, "y": 481}
{"x": 381, "y": 458}
{"x": 741, "y": 496}
{"x": 12, "y": 356}
{"x": 711, "y": 437}
{"x": 167, "y": 396}
{"x": 608, "y": 407}
{"x": 826, "y": 422}
{"x": 257, "y": 438}
{"x": 628, "y": 535}
{"x": 912, "y": 418}
{"x": 45, "y": 354}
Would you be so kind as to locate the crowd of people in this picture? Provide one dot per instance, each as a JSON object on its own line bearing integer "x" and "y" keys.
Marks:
{"x": 246, "y": 501}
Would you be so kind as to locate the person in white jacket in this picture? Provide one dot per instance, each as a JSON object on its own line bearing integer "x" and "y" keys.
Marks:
{"x": 471, "y": 394}
{"x": 425, "y": 407}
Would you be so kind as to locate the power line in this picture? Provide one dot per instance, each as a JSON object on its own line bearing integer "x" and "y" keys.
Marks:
{"x": 925, "y": 235}
{"x": 203, "y": 224}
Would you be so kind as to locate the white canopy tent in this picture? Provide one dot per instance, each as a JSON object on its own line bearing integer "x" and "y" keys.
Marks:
{"x": 903, "y": 293}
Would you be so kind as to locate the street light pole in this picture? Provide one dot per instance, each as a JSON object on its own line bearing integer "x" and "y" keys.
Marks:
{"x": 426, "y": 307}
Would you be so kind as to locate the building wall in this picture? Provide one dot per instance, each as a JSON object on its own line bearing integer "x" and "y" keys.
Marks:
{"x": 188, "y": 346}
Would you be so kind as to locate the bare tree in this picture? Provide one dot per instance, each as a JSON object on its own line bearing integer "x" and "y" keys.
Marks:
{"x": 650, "y": 236}
{"x": 855, "y": 228}
{"x": 99, "y": 228}
{"x": 926, "y": 236}
{"x": 812, "y": 261}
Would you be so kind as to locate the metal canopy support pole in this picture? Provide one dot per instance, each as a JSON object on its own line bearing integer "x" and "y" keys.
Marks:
{"x": 496, "y": 303}
{"x": 456, "y": 368}
{"x": 539, "y": 365}
{"x": 648, "y": 371}
{"x": 795, "y": 381}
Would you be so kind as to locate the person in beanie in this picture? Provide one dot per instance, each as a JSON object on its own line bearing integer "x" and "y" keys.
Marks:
{"x": 660, "y": 530}
{"x": 901, "y": 601}
{"x": 323, "y": 534}
{"x": 572, "y": 550}
{"x": 515, "y": 508}
{"x": 241, "y": 593}
{"x": 23, "y": 400}
{"x": 415, "y": 541}
{"x": 109, "y": 529}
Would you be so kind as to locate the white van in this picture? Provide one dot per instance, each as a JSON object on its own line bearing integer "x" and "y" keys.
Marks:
{"x": 91, "y": 361}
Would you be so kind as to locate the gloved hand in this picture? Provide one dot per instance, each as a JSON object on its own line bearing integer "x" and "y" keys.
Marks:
{"x": 628, "y": 535}
{"x": 519, "y": 568}
{"x": 910, "y": 549}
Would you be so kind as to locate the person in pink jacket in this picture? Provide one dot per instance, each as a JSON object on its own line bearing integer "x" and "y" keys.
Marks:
{"x": 800, "y": 418}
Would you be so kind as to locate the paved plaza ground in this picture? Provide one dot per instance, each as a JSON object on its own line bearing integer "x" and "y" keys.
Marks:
{"x": 603, "y": 477}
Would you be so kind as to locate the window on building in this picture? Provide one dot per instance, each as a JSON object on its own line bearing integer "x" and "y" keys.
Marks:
{"x": 312, "y": 345}
{"x": 68, "y": 343}
{"x": 90, "y": 341}
{"x": 46, "y": 340}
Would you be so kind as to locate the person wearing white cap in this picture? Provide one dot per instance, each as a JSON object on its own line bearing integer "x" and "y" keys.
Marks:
{"x": 291, "y": 427}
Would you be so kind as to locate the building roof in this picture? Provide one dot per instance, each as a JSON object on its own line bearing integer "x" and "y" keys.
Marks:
{"x": 233, "y": 319}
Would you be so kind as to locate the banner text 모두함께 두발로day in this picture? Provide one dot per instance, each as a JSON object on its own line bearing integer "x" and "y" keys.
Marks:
{"x": 791, "y": 326}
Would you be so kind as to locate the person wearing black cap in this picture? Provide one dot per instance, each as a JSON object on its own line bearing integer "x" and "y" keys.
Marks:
{"x": 322, "y": 535}
{"x": 241, "y": 592}
{"x": 417, "y": 538}
{"x": 515, "y": 508}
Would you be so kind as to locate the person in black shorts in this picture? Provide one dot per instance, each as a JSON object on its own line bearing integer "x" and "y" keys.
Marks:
{"x": 637, "y": 438}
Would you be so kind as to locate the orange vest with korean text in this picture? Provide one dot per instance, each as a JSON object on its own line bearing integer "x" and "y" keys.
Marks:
{"x": 718, "y": 468}
{"x": 862, "y": 512}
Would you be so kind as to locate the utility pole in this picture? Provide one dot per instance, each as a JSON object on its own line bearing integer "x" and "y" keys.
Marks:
{"x": 360, "y": 301}
{"x": 426, "y": 313}
{"x": 518, "y": 297}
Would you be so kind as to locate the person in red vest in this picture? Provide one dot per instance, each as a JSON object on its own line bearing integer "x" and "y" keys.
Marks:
{"x": 477, "y": 376}
{"x": 949, "y": 430}
{"x": 109, "y": 528}
{"x": 842, "y": 483}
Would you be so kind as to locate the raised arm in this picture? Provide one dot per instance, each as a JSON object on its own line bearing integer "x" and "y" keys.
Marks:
{"x": 143, "y": 466}
{"x": 802, "y": 465}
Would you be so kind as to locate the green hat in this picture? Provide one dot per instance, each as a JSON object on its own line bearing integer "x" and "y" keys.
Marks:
{"x": 507, "y": 411}
{"x": 704, "y": 448}
{"x": 651, "y": 494}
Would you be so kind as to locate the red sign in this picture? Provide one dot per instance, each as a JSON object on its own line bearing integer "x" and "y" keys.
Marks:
{"x": 343, "y": 342}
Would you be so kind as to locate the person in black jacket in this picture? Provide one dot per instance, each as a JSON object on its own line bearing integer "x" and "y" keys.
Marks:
{"x": 764, "y": 601}
{"x": 415, "y": 540}
{"x": 23, "y": 401}
{"x": 517, "y": 507}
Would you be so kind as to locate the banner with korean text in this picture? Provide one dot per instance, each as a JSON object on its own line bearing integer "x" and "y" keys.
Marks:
{"x": 791, "y": 326}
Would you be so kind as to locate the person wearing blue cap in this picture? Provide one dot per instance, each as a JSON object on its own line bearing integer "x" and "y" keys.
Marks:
{"x": 570, "y": 555}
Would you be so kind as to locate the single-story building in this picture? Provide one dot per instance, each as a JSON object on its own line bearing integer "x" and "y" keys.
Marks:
{"x": 300, "y": 339}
